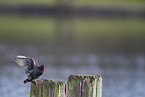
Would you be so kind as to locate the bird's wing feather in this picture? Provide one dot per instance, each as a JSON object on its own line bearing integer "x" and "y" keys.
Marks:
{"x": 35, "y": 63}
{"x": 26, "y": 62}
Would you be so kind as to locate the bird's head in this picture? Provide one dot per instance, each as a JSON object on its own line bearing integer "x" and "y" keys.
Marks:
{"x": 42, "y": 68}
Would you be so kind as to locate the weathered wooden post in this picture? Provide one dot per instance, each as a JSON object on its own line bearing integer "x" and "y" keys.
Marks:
{"x": 78, "y": 85}
{"x": 84, "y": 86}
{"x": 47, "y": 88}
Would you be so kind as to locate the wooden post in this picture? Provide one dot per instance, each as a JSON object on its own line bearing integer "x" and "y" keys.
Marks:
{"x": 47, "y": 88}
{"x": 84, "y": 86}
{"x": 78, "y": 85}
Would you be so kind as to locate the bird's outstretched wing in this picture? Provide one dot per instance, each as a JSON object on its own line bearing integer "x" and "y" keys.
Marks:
{"x": 26, "y": 62}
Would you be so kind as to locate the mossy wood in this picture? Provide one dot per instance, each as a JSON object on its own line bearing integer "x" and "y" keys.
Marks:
{"x": 47, "y": 88}
{"x": 78, "y": 85}
{"x": 84, "y": 86}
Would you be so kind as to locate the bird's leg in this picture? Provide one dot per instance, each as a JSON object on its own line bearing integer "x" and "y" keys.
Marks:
{"x": 36, "y": 82}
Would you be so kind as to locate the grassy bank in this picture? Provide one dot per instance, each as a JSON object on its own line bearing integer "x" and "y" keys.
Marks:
{"x": 25, "y": 27}
{"x": 78, "y": 2}
{"x": 15, "y": 27}
{"x": 101, "y": 34}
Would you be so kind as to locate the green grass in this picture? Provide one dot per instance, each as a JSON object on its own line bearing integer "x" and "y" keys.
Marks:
{"x": 38, "y": 2}
{"x": 110, "y": 30}
{"x": 21, "y": 27}
{"x": 84, "y": 29}
{"x": 35, "y": 2}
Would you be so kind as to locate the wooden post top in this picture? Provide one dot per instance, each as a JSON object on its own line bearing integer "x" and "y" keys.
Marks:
{"x": 83, "y": 76}
{"x": 46, "y": 81}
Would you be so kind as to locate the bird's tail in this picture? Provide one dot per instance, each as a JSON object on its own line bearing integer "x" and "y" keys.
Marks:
{"x": 27, "y": 80}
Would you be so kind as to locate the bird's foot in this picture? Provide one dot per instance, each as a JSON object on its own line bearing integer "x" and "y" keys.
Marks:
{"x": 36, "y": 82}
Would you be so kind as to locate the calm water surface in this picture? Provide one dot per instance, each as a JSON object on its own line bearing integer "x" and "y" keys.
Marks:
{"x": 125, "y": 77}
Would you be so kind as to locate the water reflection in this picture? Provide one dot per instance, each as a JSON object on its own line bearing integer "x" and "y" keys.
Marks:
{"x": 123, "y": 76}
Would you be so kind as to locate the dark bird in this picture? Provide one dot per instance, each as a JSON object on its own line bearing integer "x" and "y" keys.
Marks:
{"x": 32, "y": 69}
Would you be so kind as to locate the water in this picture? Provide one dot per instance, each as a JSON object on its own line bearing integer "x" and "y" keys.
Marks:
{"x": 123, "y": 76}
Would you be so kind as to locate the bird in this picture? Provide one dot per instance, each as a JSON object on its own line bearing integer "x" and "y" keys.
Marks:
{"x": 32, "y": 69}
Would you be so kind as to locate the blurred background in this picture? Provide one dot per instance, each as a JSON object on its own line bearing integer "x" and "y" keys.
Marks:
{"x": 103, "y": 37}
